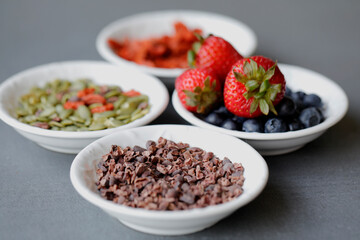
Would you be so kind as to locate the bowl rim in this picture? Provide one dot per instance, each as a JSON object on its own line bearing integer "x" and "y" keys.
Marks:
{"x": 323, "y": 126}
{"x": 223, "y": 208}
{"x": 110, "y": 56}
{"x": 13, "y": 122}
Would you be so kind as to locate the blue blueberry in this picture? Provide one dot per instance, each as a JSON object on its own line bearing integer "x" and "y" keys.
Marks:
{"x": 310, "y": 117}
{"x": 286, "y": 107}
{"x": 222, "y": 110}
{"x": 295, "y": 125}
{"x": 288, "y": 91}
{"x": 229, "y": 124}
{"x": 239, "y": 120}
{"x": 312, "y": 100}
{"x": 298, "y": 97}
{"x": 275, "y": 125}
{"x": 214, "y": 118}
{"x": 252, "y": 125}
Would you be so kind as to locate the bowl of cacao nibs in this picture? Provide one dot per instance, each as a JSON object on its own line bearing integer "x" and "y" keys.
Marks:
{"x": 65, "y": 106}
{"x": 157, "y": 42}
{"x": 169, "y": 179}
{"x": 311, "y": 103}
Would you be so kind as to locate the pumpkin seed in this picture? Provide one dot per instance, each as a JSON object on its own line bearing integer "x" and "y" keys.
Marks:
{"x": 44, "y": 107}
{"x": 84, "y": 112}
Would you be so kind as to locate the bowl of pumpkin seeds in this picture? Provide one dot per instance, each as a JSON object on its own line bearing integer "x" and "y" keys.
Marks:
{"x": 64, "y": 106}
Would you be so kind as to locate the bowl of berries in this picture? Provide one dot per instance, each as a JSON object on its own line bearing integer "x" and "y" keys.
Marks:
{"x": 161, "y": 47}
{"x": 276, "y": 108}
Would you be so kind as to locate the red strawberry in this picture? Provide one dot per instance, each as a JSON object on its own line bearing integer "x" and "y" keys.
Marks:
{"x": 198, "y": 90}
{"x": 253, "y": 87}
{"x": 214, "y": 53}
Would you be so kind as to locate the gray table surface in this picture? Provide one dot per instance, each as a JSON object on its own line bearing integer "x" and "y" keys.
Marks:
{"x": 312, "y": 193}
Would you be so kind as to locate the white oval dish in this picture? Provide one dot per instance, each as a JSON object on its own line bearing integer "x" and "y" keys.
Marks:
{"x": 152, "y": 24}
{"x": 83, "y": 177}
{"x": 297, "y": 78}
{"x": 100, "y": 73}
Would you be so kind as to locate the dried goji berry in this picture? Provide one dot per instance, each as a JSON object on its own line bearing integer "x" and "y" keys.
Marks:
{"x": 131, "y": 93}
{"x": 93, "y": 98}
{"x": 85, "y": 91}
{"x": 73, "y": 105}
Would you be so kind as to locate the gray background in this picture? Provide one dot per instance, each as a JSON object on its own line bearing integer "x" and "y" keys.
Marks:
{"x": 312, "y": 193}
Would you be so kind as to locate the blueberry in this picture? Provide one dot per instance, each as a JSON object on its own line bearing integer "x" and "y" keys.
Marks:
{"x": 229, "y": 124}
{"x": 275, "y": 125}
{"x": 298, "y": 97}
{"x": 239, "y": 120}
{"x": 295, "y": 125}
{"x": 288, "y": 91}
{"x": 310, "y": 117}
{"x": 214, "y": 118}
{"x": 222, "y": 110}
{"x": 286, "y": 107}
{"x": 312, "y": 100}
{"x": 252, "y": 125}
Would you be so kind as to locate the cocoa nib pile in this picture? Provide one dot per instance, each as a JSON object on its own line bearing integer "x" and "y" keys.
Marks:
{"x": 167, "y": 176}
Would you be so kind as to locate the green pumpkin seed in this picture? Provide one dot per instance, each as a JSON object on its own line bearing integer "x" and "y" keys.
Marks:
{"x": 112, "y": 93}
{"x": 76, "y": 119}
{"x": 43, "y": 105}
{"x": 47, "y": 112}
{"x": 67, "y": 122}
{"x": 97, "y": 126}
{"x": 55, "y": 124}
{"x": 105, "y": 114}
{"x": 65, "y": 113}
{"x": 84, "y": 112}
{"x": 112, "y": 122}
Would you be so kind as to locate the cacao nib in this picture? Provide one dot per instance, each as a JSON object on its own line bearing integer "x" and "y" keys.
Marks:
{"x": 167, "y": 176}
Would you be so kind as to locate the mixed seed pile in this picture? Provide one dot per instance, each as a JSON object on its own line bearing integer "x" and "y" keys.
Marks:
{"x": 80, "y": 106}
{"x": 167, "y": 176}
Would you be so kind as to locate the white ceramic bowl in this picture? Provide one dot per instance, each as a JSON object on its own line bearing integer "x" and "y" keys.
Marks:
{"x": 297, "y": 78}
{"x": 98, "y": 72}
{"x": 152, "y": 24}
{"x": 83, "y": 177}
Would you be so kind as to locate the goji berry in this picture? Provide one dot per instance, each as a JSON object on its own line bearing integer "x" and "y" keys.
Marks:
{"x": 73, "y": 105}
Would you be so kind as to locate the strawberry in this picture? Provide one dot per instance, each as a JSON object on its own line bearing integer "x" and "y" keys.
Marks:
{"x": 253, "y": 87}
{"x": 198, "y": 89}
{"x": 214, "y": 53}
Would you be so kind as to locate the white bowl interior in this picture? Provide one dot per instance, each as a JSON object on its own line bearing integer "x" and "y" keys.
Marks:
{"x": 154, "y": 24}
{"x": 99, "y": 72}
{"x": 335, "y": 107}
{"x": 256, "y": 174}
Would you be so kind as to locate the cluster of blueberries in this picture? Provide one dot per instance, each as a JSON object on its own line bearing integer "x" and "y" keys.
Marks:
{"x": 297, "y": 110}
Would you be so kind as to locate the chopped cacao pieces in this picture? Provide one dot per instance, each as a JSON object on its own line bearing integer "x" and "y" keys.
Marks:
{"x": 167, "y": 176}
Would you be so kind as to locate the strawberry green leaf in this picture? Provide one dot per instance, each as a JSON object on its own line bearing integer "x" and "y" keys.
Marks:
{"x": 264, "y": 107}
{"x": 264, "y": 86}
{"x": 248, "y": 95}
{"x": 254, "y": 67}
{"x": 196, "y": 46}
{"x": 191, "y": 58}
{"x": 271, "y": 106}
{"x": 259, "y": 95}
{"x": 247, "y": 69}
{"x": 254, "y": 105}
{"x": 251, "y": 85}
{"x": 241, "y": 78}
{"x": 197, "y": 89}
{"x": 262, "y": 71}
{"x": 198, "y": 36}
{"x": 270, "y": 72}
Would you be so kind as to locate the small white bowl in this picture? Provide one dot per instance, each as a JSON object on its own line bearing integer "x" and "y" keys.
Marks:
{"x": 100, "y": 73}
{"x": 152, "y": 24}
{"x": 83, "y": 177}
{"x": 297, "y": 78}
